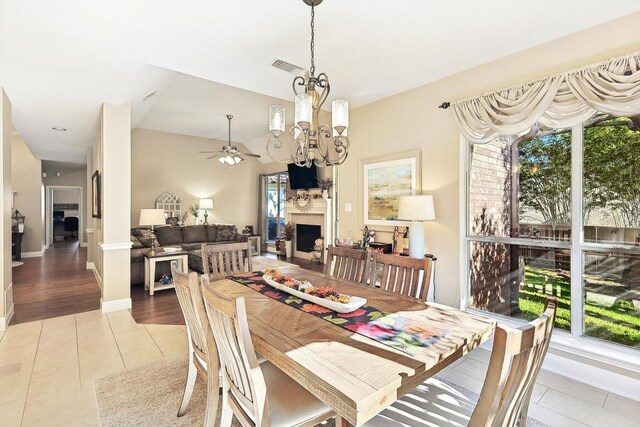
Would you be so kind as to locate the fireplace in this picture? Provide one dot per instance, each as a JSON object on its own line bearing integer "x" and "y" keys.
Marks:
{"x": 306, "y": 236}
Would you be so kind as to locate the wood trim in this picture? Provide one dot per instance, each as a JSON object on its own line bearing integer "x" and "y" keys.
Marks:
{"x": 115, "y": 305}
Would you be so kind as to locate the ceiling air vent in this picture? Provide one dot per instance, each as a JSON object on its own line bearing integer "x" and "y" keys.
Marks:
{"x": 287, "y": 66}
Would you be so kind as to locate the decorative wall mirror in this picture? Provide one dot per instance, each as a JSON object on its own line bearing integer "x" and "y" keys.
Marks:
{"x": 171, "y": 205}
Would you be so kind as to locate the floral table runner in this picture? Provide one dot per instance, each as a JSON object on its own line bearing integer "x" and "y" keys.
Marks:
{"x": 410, "y": 335}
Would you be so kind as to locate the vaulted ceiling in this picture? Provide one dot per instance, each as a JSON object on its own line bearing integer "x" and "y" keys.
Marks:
{"x": 60, "y": 60}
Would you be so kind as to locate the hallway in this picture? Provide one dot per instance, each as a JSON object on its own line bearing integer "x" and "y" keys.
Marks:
{"x": 56, "y": 284}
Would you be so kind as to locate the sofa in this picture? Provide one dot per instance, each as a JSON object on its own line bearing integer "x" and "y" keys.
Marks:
{"x": 189, "y": 238}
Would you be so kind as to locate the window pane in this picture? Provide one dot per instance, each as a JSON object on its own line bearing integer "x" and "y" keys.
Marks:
{"x": 612, "y": 297}
{"x": 490, "y": 189}
{"x": 611, "y": 182}
{"x": 514, "y": 280}
{"x": 522, "y": 187}
{"x": 544, "y": 185}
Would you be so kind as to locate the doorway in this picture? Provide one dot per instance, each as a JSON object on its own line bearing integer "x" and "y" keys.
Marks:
{"x": 63, "y": 216}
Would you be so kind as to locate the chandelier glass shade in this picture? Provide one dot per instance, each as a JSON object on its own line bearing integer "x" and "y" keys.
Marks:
{"x": 313, "y": 143}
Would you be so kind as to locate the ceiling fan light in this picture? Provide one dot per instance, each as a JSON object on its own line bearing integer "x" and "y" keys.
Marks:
{"x": 222, "y": 159}
{"x": 237, "y": 159}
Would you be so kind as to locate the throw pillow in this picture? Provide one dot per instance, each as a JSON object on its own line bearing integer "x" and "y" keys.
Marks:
{"x": 194, "y": 234}
{"x": 137, "y": 244}
{"x": 226, "y": 233}
{"x": 142, "y": 234}
{"x": 168, "y": 235}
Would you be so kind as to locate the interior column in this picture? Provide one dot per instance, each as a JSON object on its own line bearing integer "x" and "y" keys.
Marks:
{"x": 114, "y": 166}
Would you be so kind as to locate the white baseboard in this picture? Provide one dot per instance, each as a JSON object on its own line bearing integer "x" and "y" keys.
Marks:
{"x": 83, "y": 245}
{"x": 35, "y": 254}
{"x": 91, "y": 266}
{"x": 115, "y": 305}
{"x": 9, "y": 315}
{"x": 3, "y": 323}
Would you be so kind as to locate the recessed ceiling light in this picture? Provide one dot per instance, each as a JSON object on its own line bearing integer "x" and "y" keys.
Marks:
{"x": 59, "y": 129}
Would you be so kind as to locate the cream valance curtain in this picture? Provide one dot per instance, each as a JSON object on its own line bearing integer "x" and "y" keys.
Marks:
{"x": 560, "y": 101}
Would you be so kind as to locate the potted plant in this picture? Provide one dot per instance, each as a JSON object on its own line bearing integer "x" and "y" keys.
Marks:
{"x": 288, "y": 231}
{"x": 325, "y": 185}
{"x": 195, "y": 211}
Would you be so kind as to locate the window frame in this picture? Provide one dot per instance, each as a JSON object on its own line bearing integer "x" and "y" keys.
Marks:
{"x": 574, "y": 342}
{"x": 282, "y": 203}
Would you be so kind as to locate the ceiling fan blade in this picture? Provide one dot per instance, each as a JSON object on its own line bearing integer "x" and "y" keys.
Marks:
{"x": 205, "y": 152}
{"x": 250, "y": 154}
{"x": 212, "y": 157}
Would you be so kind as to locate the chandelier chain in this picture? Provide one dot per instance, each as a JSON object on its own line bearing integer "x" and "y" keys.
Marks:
{"x": 313, "y": 67}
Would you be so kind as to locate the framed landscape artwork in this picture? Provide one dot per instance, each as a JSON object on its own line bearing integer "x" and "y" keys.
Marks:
{"x": 95, "y": 195}
{"x": 383, "y": 180}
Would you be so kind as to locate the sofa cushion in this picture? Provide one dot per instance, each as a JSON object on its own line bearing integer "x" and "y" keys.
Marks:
{"x": 212, "y": 232}
{"x": 226, "y": 233}
{"x": 168, "y": 235}
{"x": 194, "y": 234}
{"x": 188, "y": 247}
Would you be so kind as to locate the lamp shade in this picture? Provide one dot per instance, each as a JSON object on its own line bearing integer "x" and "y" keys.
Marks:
{"x": 416, "y": 208}
{"x": 152, "y": 217}
{"x": 276, "y": 119}
{"x": 206, "y": 203}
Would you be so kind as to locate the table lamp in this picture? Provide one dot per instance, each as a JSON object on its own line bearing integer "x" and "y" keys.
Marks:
{"x": 152, "y": 217}
{"x": 206, "y": 204}
{"x": 416, "y": 209}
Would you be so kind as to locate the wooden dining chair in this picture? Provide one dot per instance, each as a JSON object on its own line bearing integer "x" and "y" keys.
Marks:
{"x": 402, "y": 275}
{"x": 348, "y": 264}
{"x": 203, "y": 356}
{"x": 221, "y": 260}
{"x": 516, "y": 358}
{"x": 257, "y": 394}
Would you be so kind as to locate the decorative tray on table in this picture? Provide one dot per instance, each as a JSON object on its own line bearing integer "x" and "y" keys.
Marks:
{"x": 324, "y": 296}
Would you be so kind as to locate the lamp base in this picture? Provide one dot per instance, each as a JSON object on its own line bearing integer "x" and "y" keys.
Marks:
{"x": 206, "y": 215}
{"x": 416, "y": 239}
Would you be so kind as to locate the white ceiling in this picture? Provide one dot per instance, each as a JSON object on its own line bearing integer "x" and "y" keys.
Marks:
{"x": 60, "y": 60}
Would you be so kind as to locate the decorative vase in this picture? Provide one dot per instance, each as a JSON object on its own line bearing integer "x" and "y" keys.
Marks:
{"x": 288, "y": 248}
{"x": 325, "y": 194}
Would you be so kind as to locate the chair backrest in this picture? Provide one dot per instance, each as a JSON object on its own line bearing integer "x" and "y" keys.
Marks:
{"x": 514, "y": 365}
{"x": 192, "y": 305}
{"x": 244, "y": 386}
{"x": 220, "y": 260}
{"x": 402, "y": 275}
{"x": 348, "y": 264}
{"x": 71, "y": 223}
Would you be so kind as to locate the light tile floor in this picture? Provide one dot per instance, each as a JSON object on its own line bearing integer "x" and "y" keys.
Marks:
{"x": 47, "y": 370}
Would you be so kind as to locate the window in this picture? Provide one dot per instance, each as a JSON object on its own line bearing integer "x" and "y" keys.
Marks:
{"x": 276, "y": 190}
{"x": 557, "y": 212}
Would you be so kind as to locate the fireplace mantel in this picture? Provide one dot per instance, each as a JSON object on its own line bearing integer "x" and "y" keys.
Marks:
{"x": 319, "y": 213}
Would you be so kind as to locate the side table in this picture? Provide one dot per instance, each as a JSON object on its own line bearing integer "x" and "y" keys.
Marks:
{"x": 255, "y": 245}
{"x": 150, "y": 269}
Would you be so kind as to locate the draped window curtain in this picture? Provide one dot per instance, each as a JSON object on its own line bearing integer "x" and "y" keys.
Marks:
{"x": 262, "y": 212}
{"x": 560, "y": 101}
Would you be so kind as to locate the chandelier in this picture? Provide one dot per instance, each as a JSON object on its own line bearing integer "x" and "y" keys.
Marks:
{"x": 313, "y": 143}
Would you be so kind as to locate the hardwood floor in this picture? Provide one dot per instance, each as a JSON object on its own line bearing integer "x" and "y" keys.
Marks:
{"x": 55, "y": 284}
{"x": 163, "y": 307}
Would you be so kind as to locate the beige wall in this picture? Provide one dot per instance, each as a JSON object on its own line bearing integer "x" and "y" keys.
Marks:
{"x": 73, "y": 178}
{"x": 26, "y": 179}
{"x": 6, "y": 291}
{"x": 171, "y": 162}
{"x": 411, "y": 120}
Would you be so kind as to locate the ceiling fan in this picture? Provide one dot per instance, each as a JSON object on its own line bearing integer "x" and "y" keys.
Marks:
{"x": 229, "y": 154}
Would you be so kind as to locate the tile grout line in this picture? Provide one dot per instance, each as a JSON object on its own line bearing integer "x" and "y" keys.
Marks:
{"x": 33, "y": 366}
{"x": 116, "y": 341}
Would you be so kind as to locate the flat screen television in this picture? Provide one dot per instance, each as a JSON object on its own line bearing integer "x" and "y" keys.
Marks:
{"x": 302, "y": 178}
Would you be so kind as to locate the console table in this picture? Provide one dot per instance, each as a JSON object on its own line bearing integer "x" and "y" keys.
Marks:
{"x": 16, "y": 245}
{"x": 150, "y": 269}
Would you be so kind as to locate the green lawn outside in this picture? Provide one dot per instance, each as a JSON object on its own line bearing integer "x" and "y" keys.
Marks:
{"x": 619, "y": 323}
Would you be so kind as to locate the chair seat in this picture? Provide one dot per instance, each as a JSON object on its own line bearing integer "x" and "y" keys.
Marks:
{"x": 433, "y": 403}
{"x": 289, "y": 403}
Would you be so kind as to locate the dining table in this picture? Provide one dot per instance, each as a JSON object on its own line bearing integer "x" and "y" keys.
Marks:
{"x": 353, "y": 374}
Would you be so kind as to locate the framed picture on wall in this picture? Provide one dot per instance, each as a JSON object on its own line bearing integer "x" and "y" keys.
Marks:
{"x": 95, "y": 195}
{"x": 383, "y": 180}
